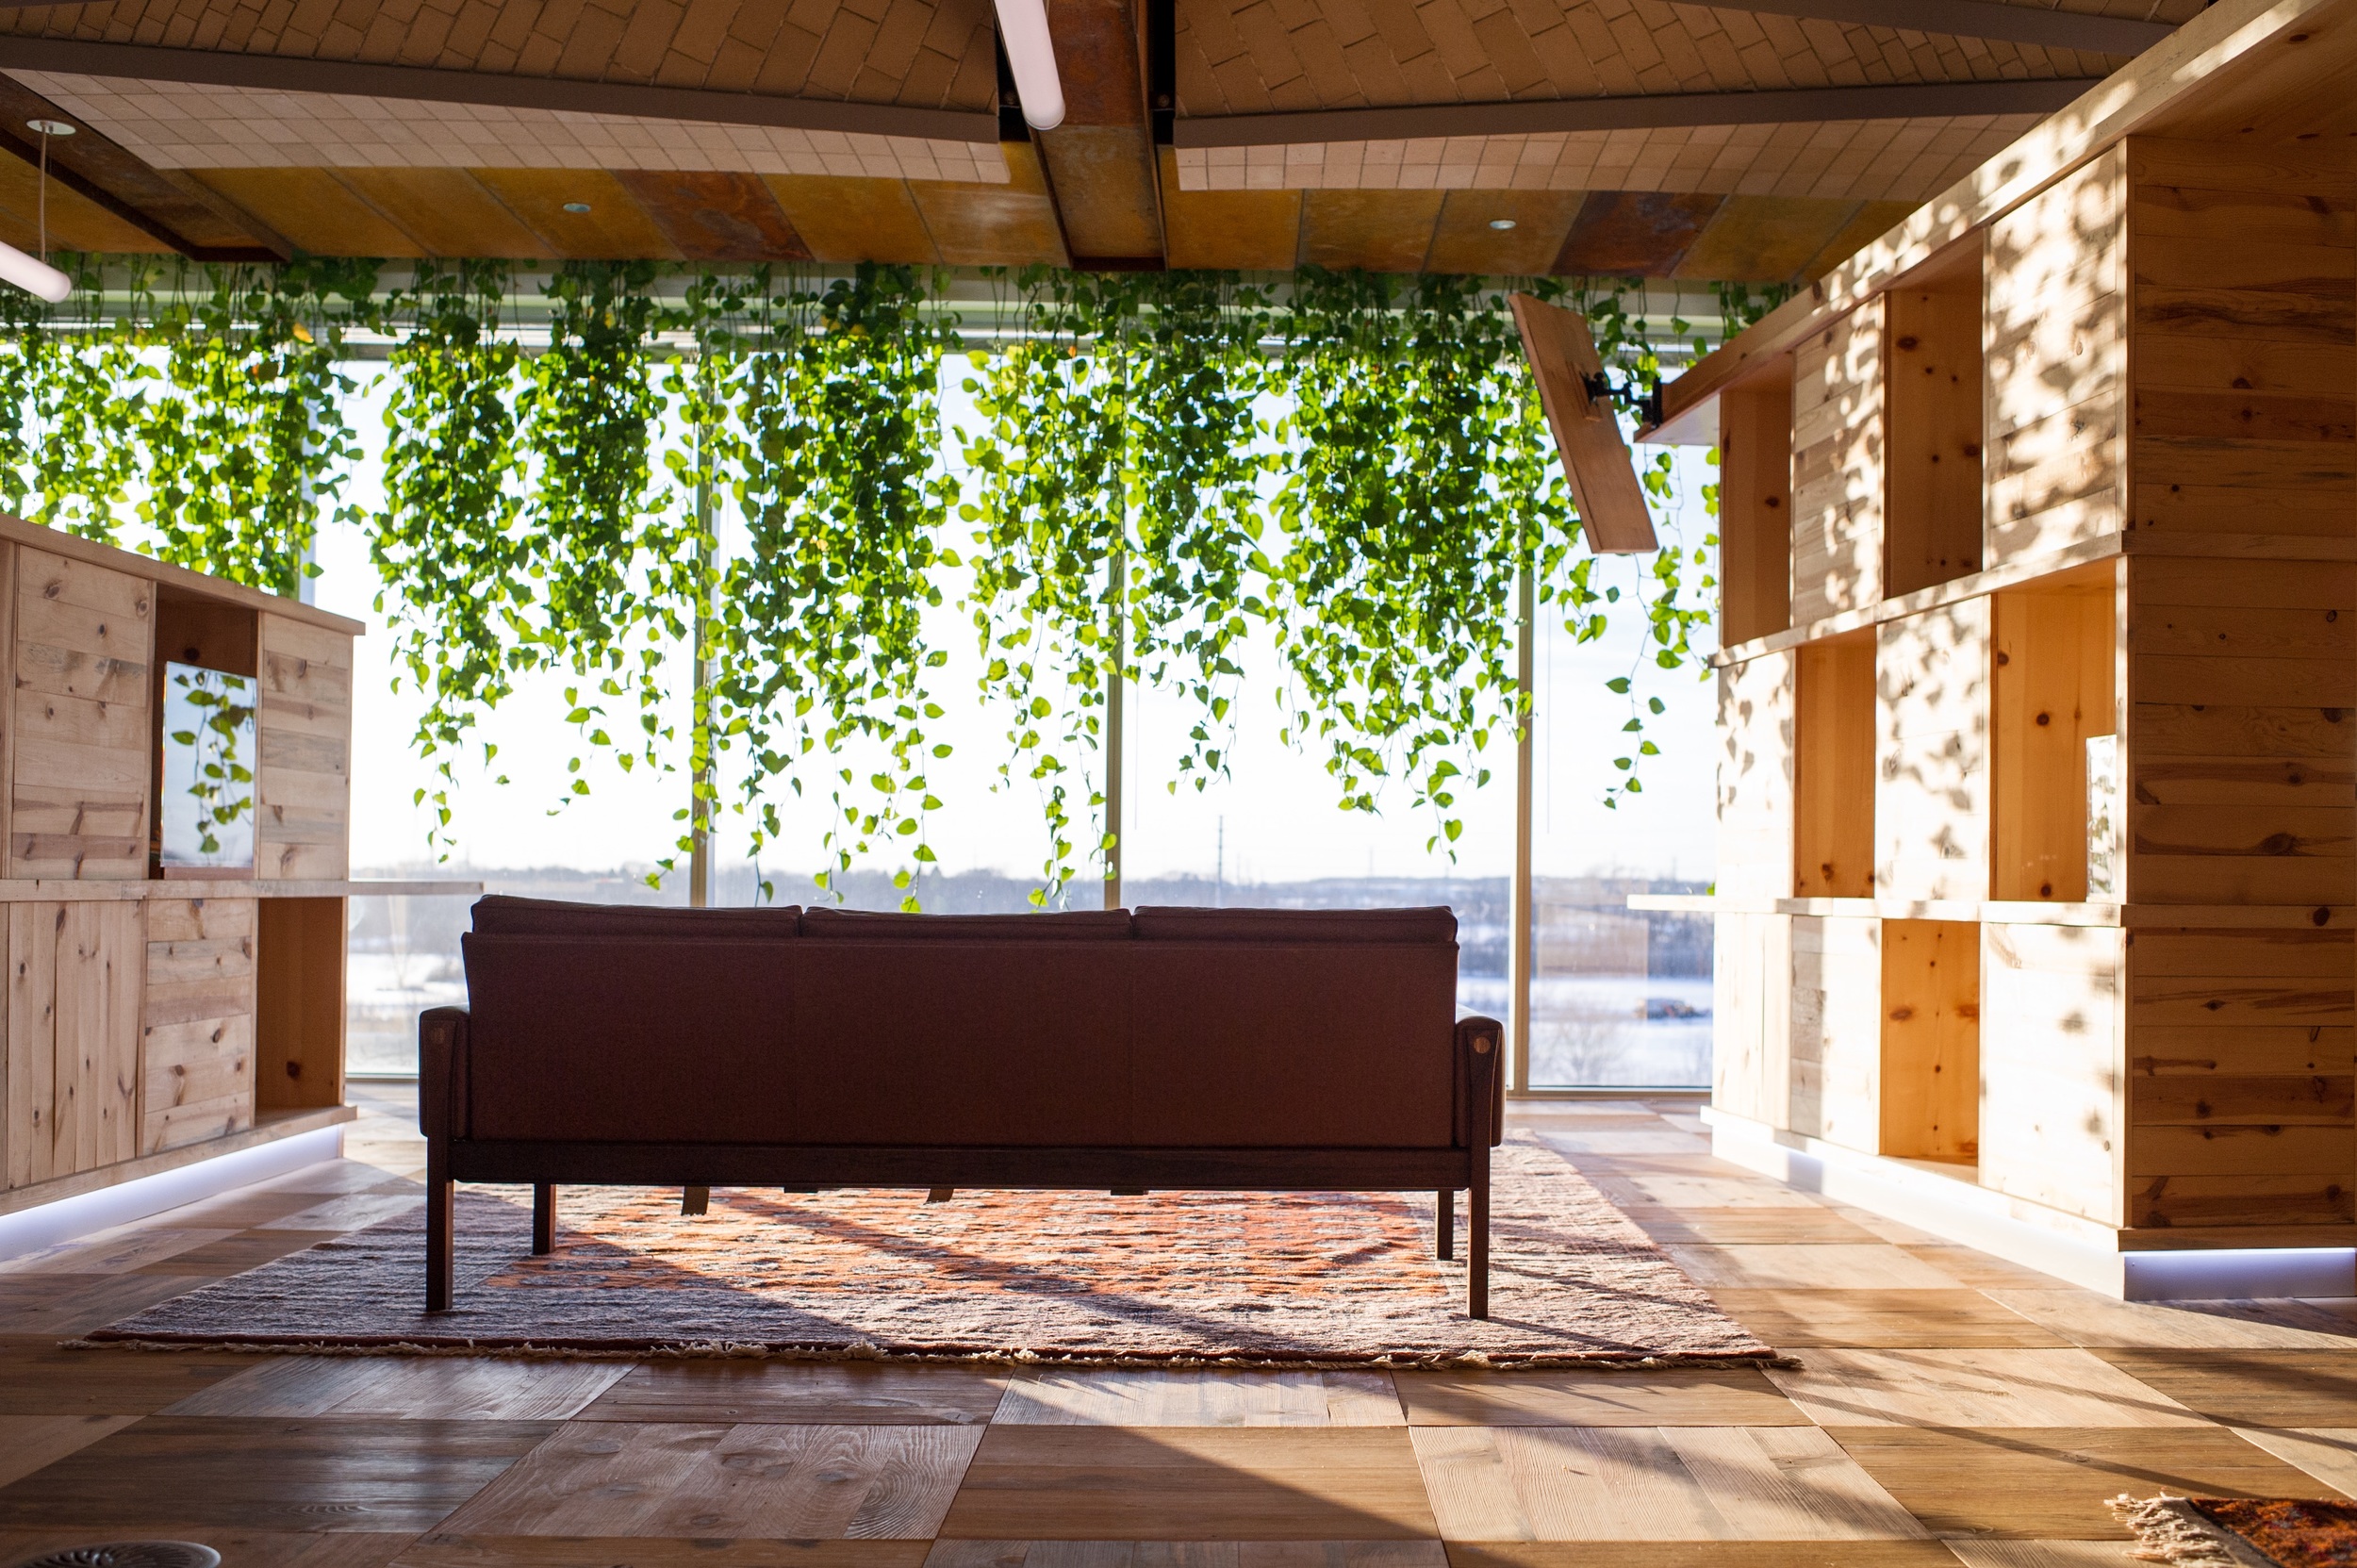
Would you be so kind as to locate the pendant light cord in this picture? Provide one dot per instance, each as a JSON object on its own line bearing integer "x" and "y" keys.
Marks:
{"x": 44, "y": 199}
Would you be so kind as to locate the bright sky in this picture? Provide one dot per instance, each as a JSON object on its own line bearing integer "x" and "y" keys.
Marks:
{"x": 1277, "y": 813}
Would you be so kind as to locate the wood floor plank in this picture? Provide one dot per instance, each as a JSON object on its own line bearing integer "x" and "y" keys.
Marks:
{"x": 375, "y": 1476}
{"x": 1699, "y": 1554}
{"x": 1882, "y": 1320}
{"x": 803, "y": 1394}
{"x": 1733, "y": 1396}
{"x": 1740, "y": 1226}
{"x": 2098, "y": 1321}
{"x": 1188, "y": 1554}
{"x": 1682, "y": 1189}
{"x": 714, "y": 1481}
{"x": 2252, "y": 1388}
{"x": 330, "y": 1177}
{"x": 237, "y": 1251}
{"x": 116, "y": 1251}
{"x": 1874, "y": 1266}
{"x": 1974, "y": 1552}
{"x": 2327, "y": 1453}
{"x": 1123, "y": 1396}
{"x": 441, "y": 1549}
{"x": 1978, "y": 1269}
{"x": 1651, "y": 1484}
{"x": 1974, "y": 1388}
{"x": 67, "y": 1304}
{"x": 349, "y": 1211}
{"x": 1663, "y": 1140}
{"x": 36, "y": 1377}
{"x": 242, "y": 1547}
{"x": 1192, "y": 1483}
{"x": 30, "y": 1443}
{"x": 2039, "y": 1483}
{"x": 391, "y": 1388}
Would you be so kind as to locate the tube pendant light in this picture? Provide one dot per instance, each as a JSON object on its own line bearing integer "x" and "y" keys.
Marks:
{"x": 33, "y": 275}
{"x": 1032, "y": 56}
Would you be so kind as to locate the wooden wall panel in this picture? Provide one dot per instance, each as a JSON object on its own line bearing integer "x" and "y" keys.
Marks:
{"x": 2241, "y": 727}
{"x": 299, "y": 1004}
{"x": 1837, "y": 1032}
{"x": 1751, "y": 1003}
{"x": 2242, "y": 1108}
{"x": 1929, "y": 1077}
{"x": 79, "y": 757}
{"x": 1833, "y": 850}
{"x": 1755, "y": 509}
{"x": 2051, "y": 680}
{"x": 2055, "y": 341}
{"x": 2052, "y": 1096}
{"x": 1931, "y": 796}
{"x": 1756, "y": 738}
{"x": 1837, "y": 466}
{"x": 197, "y": 1066}
{"x": 2245, "y": 304}
{"x": 303, "y": 786}
{"x": 74, "y": 973}
{"x": 1933, "y": 415}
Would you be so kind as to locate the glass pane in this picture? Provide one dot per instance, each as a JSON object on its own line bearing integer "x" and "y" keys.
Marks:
{"x": 208, "y": 805}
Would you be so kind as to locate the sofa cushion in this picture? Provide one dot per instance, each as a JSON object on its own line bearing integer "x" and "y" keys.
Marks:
{"x": 497, "y": 915}
{"x": 1321, "y": 926}
{"x": 1083, "y": 925}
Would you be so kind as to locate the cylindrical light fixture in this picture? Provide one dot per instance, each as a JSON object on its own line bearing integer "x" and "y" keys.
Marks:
{"x": 1031, "y": 54}
{"x": 34, "y": 276}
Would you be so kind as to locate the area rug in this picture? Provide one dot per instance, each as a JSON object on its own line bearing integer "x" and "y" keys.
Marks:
{"x": 2242, "y": 1532}
{"x": 1253, "y": 1279}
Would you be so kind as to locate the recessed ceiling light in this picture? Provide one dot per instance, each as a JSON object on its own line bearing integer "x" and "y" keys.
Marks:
{"x": 576, "y": 207}
{"x": 1501, "y": 223}
{"x": 49, "y": 127}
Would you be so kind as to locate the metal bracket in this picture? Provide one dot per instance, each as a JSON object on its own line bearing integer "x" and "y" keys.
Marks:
{"x": 1645, "y": 400}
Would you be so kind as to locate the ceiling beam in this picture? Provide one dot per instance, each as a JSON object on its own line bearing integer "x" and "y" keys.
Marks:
{"x": 2097, "y": 35}
{"x": 1647, "y": 111}
{"x": 418, "y": 84}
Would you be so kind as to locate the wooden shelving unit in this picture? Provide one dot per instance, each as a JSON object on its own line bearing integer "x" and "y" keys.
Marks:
{"x": 2071, "y": 453}
{"x": 149, "y": 1021}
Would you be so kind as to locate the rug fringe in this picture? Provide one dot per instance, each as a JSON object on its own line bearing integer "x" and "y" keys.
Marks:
{"x": 731, "y": 1350}
{"x": 2168, "y": 1529}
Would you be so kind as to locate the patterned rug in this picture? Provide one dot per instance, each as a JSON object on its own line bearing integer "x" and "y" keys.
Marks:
{"x": 2241, "y": 1532}
{"x": 1295, "y": 1279}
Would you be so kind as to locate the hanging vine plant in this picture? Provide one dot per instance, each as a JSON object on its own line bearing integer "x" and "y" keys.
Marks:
{"x": 67, "y": 398}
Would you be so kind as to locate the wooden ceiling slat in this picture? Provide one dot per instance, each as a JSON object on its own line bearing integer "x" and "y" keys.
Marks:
{"x": 855, "y": 220}
{"x": 448, "y": 212}
{"x": 1244, "y": 230}
{"x": 995, "y": 226}
{"x": 1383, "y": 231}
{"x": 613, "y": 229}
{"x": 1463, "y": 241}
{"x": 1764, "y": 239}
{"x": 716, "y": 216}
{"x": 1104, "y": 188}
{"x": 1870, "y": 220}
{"x": 197, "y": 218}
{"x": 75, "y": 223}
{"x": 313, "y": 209}
{"x": 1635, "y": 232}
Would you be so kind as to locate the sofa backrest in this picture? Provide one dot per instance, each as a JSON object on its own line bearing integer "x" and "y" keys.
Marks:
{"x": 1169, "y": 1029}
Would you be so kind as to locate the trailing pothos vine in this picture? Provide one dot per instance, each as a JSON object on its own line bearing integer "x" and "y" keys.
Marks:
{"x": 715, "y": 507}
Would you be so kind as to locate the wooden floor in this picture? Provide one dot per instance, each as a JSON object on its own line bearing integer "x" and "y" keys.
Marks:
{"x": 1951, "y": 1409}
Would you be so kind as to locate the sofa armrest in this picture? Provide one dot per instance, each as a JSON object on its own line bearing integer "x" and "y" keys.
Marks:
{"x": 1480, "y": 1082}
{"x": 442, "y": 1072}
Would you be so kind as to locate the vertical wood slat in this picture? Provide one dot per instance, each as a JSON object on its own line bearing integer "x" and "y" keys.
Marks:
{"x": 1931, "y": 798}
{"x": 1932, "y": 414}
{"x": 79, "y": 765}
{"x": 303, "y": 786}
{"x": 1754, "y": 780}
{"x": 1756, "y": 507}
{"x": 74, "y": 977}
{"x": 2054, "y": 1115}
{"x": 1930, "y": 1076}
{"x": 1837, "y": 466}
{"x": 1837, "y": 1035}
{"x": 2051, "y": 690}
{"x": 33, "y": 1041}
{"x": 197, "y": 1067}
{"x": 1832, "y": 839}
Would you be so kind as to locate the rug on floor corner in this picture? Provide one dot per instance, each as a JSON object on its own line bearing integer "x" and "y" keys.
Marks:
{"x": 1169, "y": 1278}
{"x": 2241, "y": 1532}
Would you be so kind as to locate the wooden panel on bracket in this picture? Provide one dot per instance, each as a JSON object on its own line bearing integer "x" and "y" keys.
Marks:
{"x": 303, "y": 779}
{"x": 197, "y": 1052}
{"x": 614, "y": 228}
{"x": 1933, "y": 415}
{"x": 1931, "y": 1040}
{"x": 80, "y": 759}
{"x": 1755, "y": 505}
{"x": 299, "y": 1004}
{"x": 447, "y": 212}
{"x": 2056, "y": 350}
{"x": 2052, "y": 682}
{"x": 1606, "y": 495}
{"x": 1382, "y": 231}
{"x": 711, "y": 215}
{"x": 2053, "y": 1111}
{"x": 1836, "y": 1031}
{"x": 312, "y": 209}
{"x": 855, "y": 220}
{"x": 1833, "y": 847}
{"x": 1931, "y": 798}
{"x": 1465, "y": 239}
{"x": 1837, "y": 466}
{"x": 1754, "y": 786}
{"x": 1252, "y": 231}
{"x": 995, "y": 226}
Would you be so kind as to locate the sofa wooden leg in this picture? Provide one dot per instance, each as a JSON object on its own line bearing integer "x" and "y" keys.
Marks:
{"x": 439, "y": 1214}
{"x": 543, "y": 1219}
{"x": 1478, "y": 1246}
{"x": 1444, "y": 1225}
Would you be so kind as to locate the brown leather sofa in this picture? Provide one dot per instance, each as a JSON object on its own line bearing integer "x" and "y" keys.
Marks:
{"x": 1159, "y": 1048}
